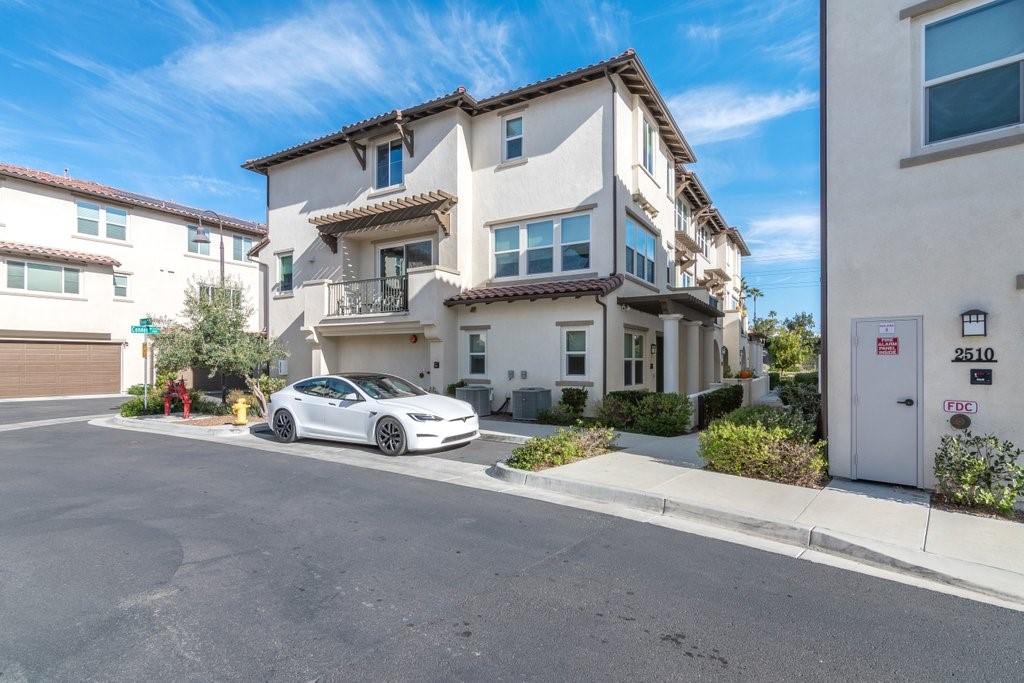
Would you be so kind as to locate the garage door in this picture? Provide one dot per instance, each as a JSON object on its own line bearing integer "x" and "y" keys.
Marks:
{"x": 34, "y": 368}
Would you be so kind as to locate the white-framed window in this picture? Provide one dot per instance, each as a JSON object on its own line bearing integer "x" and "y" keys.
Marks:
{"x": 207, "y": 292}
{"x": 477, "y": 353}
{"x": 240, "y": 247}
{"x": 92, "y": 215}
{"x": 512, "y": 145}
{"x": 974, "y": 71}
{"x": 704, "y": 240}
{"x": 120, "y": 286}
{"x": 670, "y": 269}
{"x": 685, "y": 279}
{"x": 194, "y": 248}
{"x": 683, "y": 213}
{"x": 43, "y": 277}
{"x": 649, "y": 145}
{"x": 640, "y": 248}
{"x": 284, "y": 272}
{"x": 575, "y": 349}
{"x": 633, "y": 359}
{"x": 542, "y": 247}
{"x": 394, "y": 260}
{"x": 389, "y": 163}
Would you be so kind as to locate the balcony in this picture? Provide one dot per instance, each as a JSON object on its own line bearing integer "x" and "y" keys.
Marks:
{"x": 368, "y": 297}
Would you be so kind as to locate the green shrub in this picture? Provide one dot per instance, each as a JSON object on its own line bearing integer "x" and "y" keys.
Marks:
{"x": 560, "y": 414}
{"x": 136, "y": 406}
{"x": 802, "y": 427}
{"x": 254, "y": 406}
{"x": 803, "y": 397}
{"x": 663, "y": 415}
{"x": 575, "y": 399}
{"x": 618, "y": 408}
{"x": 806, "y": 378}
{"x": 450, "y": 389}
{"x": 722, "y": 401}
{"x": 139, "y": 389}
{"x": 203, "y": 405}
{"x": 269, "y": 385}
{"x": 979, "y": 471}
{"x": 754, "y": 450}
{"x": 561, "y": 448}
{"x": 773, "y": 380}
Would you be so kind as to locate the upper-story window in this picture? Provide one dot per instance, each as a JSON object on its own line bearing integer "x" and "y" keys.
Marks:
{"x": 682, "y": 214}
{"x": 240, "y": 247}
{"x": 202, "y": 248}
{"x": 120, "y": 286}
{"x": 670, "y": 269}
{"x": 685, "y": 279}
{"x": 973, "y": 71}
{"x": 704, "y": 240}
{"x": 284, "y": 272}
{"x": 513, "y": 138}
{"x": 542, "y": 247}
{"x": 389, "y": 163}
{"x": 640, "y": 246}
{"x": 113, "y": 220}
{"x": 575, "y": 350}
{"x": 649, "y": 146}
{"x": 42, "y": 277}
{"x": 478, "y": 353}
{"x": 210, "y": 292}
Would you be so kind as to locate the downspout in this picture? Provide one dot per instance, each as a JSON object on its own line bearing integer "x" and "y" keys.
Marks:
{"x": 615, "y": 233}
{"x": 265, "y": 270}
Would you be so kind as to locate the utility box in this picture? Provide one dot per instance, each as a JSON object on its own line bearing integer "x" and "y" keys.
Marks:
{"x": 478, "y": 396}
{"x": 529, "y": 401}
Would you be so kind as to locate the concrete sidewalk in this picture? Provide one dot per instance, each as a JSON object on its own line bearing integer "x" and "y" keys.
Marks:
{"x": 887, "y": 526}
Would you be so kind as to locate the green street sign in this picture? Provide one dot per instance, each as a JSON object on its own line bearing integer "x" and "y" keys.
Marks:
{"x": 145, "y": 322}
{"x": 145, "y": 329}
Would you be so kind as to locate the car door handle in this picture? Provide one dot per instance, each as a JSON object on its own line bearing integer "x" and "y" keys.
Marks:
{"x": 332, "y": 404}
{"x": 296, "y": 398}
{"x": 907, "y": 401}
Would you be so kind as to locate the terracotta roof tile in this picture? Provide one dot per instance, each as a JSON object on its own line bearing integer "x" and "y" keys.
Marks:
{"x": 92, "y": 189}
{"x": 540, "y": 290}
{"x": 32, "y": 250}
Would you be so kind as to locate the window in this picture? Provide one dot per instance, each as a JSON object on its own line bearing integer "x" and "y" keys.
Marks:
{"x": 284, "y": 273}
{"x": 90, "y": 215}
{"x": 477, "y": 353}
{"x": 973, "y": 71}
{"x": 670, "y": 270}
{"x": 685, "y": 280}
{"x": 121, "y": 286}
{"x": 389, "y": 164}
{"x": 530, "y": 248}
{"x": 682, "y": 215}
{"x": 513, "y": 147}
{"x": 193, "y": 248}
{"x": 575, "y": 353}
{"x": 240, "y": 247}
{"x": 42, "y": 277}
{"x": 704, "y": 240}
{"x": 208, "y": 292}
{"x": 639, "y": 251}
{"x": 648, "y": 160}
{"x": 633, "y": 365}
{"x": 395, "y": 260}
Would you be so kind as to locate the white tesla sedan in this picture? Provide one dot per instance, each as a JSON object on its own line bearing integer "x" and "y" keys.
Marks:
{"x": 371, "y": 408}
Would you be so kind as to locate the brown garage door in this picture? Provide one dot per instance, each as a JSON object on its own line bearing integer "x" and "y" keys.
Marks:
{"x": 52, "y": 368}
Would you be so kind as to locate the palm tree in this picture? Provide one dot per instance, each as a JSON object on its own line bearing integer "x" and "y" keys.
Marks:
{"x": 753, "y": 293}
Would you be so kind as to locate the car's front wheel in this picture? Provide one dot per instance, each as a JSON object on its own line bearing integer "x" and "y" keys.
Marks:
{"x": 391, "y": 436}
{"x": 284, "y": 426}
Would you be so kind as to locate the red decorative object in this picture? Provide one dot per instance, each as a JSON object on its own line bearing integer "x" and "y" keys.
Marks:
{"x": 177, "y": 390}
{"x": 413, "y": 339}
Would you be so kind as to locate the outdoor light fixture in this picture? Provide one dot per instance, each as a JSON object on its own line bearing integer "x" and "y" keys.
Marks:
{"x": 974, "y": 323}
{"x": 654, "y": 349}
{"x": 203, "y": 237}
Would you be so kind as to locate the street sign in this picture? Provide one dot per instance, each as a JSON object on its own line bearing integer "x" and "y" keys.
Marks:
{"x": 145, "y": 329}
{"x": 145, "y": 321}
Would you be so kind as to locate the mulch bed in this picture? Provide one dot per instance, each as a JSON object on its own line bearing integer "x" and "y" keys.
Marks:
{"x": 217, "y": 421}
{"x": 939, "y": 502}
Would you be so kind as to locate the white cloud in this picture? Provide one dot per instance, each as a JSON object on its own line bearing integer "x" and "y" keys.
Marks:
{"x": 715, "y": 113}
{"x": 801, "y": 50}
{"x": 784, "y": 238}
{"x": 703, "y": 32}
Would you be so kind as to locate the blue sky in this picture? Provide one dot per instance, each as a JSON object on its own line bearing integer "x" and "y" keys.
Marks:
{"x": 169, "y": 98}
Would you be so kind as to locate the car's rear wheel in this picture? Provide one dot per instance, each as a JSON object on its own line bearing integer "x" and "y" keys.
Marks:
{"x": 284, "y": 426}
{"x": 391, "y": 436}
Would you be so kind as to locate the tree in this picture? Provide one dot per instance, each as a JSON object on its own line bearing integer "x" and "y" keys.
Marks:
{"x": 787, "y": 350}
{"x": 211, "y": 333}
{"x": 754, "y": 293}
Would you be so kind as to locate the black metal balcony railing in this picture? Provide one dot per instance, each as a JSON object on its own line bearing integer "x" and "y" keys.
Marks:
{"x": 362, "y": 297}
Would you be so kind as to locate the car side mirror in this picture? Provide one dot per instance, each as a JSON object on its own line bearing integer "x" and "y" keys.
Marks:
{"x": 350, "y": 396}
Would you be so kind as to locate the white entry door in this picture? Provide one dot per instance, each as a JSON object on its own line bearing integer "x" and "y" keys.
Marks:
{"x": 887, "y": 400}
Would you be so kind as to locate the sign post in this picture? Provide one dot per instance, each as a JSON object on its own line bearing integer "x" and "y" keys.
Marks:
{"x": 145, "y": 328}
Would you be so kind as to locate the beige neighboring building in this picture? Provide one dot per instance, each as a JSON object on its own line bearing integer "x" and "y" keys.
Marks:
{"x": 923, "y": 214}
{"x": 549, "y": 236}
{"x": 81, "y": 263}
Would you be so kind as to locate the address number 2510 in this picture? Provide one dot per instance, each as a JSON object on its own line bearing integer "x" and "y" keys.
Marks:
{"x": 978, "y": 354}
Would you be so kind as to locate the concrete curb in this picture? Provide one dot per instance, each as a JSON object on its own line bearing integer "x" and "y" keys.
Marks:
{"x": 998, "y": 583}
{"x": 176, "y": 429}
{"x": 502, "y": 437}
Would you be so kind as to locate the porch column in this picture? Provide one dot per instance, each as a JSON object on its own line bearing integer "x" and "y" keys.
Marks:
{"x": 712, "y": 355}
{"x": 670, "y": 352}
{"x": 692, "y": 356}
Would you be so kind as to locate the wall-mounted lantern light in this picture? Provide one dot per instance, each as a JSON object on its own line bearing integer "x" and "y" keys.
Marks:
{"x": 974, "y": 323}
{"x": 654, "y": 349}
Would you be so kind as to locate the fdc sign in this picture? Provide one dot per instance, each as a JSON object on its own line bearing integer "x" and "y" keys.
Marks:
{"x": 960, "y": 406}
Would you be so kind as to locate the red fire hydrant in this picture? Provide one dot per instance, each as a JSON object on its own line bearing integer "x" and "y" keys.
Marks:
{"x": 177, "y": 390}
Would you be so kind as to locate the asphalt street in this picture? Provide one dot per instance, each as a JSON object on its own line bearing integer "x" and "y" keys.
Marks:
{"x": 26, "y": 411}
{"x": 135, "y": 556}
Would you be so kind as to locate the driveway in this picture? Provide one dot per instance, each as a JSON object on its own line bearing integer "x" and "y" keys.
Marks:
{"x": 12, "y": 412}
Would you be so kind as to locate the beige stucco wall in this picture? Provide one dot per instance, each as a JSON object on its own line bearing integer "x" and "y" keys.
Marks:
{"x": 154, "y": 256}
{"x": 932, "y": 240}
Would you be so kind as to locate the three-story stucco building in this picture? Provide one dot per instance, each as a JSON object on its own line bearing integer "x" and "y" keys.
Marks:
{"x": 547, "y": 236}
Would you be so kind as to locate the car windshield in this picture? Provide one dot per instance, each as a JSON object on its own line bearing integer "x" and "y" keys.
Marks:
{"x": 386, "y": 386}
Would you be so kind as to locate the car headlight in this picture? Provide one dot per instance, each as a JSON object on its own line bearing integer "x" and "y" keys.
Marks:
{"x": 425, "y": 417}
